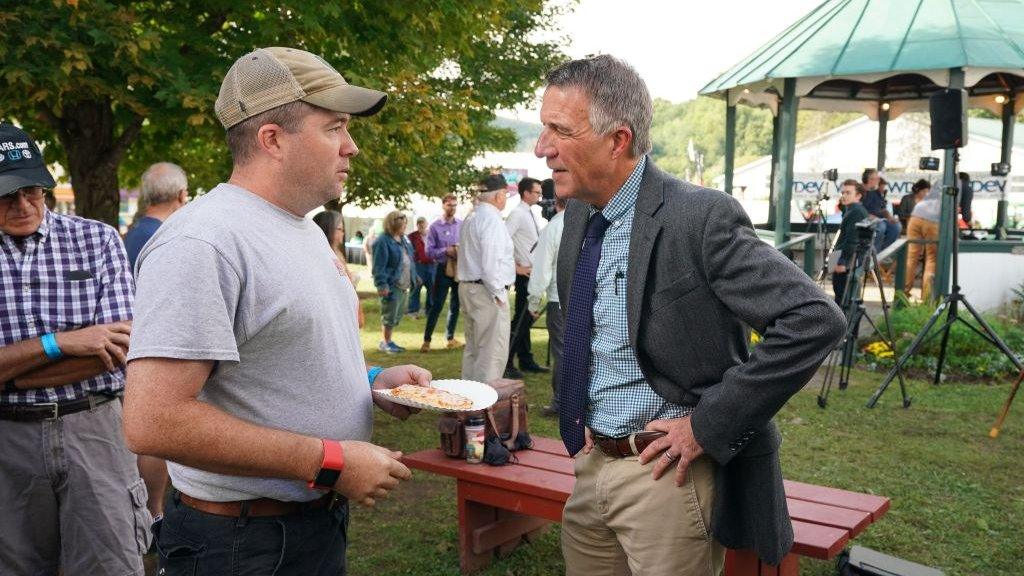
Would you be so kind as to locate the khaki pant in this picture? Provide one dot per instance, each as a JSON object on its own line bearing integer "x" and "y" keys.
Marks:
{"x": 70, "y": 494}
{"x": 921, "y": 229}
{"x": 620, "y": 522}
{"x": 486, "y": 325}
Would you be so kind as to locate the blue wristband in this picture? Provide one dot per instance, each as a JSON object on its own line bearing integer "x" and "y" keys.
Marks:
{"x": 50, "y": 346}
{"x": 372, "y": 374}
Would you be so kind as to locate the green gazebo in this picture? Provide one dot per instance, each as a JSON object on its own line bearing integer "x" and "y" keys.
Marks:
{"x": 882, "y": 58}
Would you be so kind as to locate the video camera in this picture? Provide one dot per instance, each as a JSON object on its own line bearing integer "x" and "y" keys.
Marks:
{"x": 831, "y": 174}
{"x": 547, "y": 199}
{"x": 867, "y": 228}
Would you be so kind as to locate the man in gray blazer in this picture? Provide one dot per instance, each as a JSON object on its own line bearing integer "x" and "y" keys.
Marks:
{"x": 659, "y": 281}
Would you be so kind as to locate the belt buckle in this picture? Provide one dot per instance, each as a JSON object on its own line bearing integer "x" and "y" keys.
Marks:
{"x": 52, "y": 405}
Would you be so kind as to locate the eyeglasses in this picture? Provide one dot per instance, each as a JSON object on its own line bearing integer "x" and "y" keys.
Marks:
{"x": 31, "y": 194}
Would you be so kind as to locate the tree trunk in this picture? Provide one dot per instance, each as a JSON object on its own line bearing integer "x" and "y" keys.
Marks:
{"x": 87, "y": 132}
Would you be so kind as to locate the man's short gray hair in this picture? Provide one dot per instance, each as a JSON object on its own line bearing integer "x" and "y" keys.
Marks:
{"x": 488, "y": 195}
{"x": 618, "y": 95}
{"x": 242, "y": 136}
{"x": 162, "y": 182}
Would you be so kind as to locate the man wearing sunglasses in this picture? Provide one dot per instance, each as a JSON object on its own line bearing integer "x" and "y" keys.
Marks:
{"x": 71, "y": 493}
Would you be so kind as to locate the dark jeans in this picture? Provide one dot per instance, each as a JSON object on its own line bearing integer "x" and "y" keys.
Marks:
{"x": 519, "y": 339}
{"x": 442, "y": 285}
{"x": 556, "y": 327}
{"x": 886, "y": 234}
{"x": 425, "y": 281}
{"x": 839, "y": 286}
{"x": 196, "y": 543}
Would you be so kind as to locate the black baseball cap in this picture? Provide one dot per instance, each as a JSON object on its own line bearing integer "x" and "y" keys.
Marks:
{"x": 21, "y": 162}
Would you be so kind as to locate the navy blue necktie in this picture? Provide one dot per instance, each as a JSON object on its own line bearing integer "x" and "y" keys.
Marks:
{"x": 574, "y": 370}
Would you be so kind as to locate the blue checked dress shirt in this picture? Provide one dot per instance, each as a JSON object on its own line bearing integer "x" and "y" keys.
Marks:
{"x": 620, "y": 401}
{"x": 70, "y": 274}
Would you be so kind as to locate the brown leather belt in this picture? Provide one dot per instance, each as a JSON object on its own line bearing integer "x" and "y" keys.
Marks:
{"x": 261, "y": 506}
{"x": 51, "y": 410}
{"x": 631, "y": 445}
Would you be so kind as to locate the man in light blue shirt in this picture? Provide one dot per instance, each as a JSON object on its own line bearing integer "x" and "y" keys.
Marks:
{"x": 660, "y": 280}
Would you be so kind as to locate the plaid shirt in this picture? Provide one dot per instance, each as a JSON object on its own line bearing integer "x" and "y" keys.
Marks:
{"x": 621, "y": 401}
{"x": 72, "y": 273}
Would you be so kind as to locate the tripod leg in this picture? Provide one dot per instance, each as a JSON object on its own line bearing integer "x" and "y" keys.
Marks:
{"x": 994, "y": 432}
{"x": 826, "y": 383}
{"x": 834, "y": 366}
{"x": 889, "y": 339}
{"x": 992, "y": 334}
{"x": 906, "y": 355}
{"x": 850, "y": 345}
{"x": 945, "y": 340}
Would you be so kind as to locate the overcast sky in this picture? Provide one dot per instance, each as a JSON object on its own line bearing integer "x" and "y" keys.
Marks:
{"x": 677, "y": 46}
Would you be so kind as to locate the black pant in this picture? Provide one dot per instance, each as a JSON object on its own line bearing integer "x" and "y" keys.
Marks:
{"x": 839, "y": 286}
{"x": 442, "y": 284}
{"x": 519, "y": 339}
{"x": 196, "y": 543}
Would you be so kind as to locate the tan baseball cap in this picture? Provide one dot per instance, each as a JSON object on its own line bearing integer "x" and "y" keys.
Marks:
{"x": 270, "y": 77}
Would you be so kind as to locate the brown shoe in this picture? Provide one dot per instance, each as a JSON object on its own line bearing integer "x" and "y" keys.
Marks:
{"x": 453, "y": 343}
{"x": 425, "y": 347}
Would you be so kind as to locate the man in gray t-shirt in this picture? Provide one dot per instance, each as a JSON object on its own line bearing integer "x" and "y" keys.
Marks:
{"x": 245, "y": 367}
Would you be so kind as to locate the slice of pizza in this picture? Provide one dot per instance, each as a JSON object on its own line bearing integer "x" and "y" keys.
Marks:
{"x": 434, "y": 397}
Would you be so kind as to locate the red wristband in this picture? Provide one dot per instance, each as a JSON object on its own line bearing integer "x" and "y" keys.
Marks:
{"x": 331, "y": 467}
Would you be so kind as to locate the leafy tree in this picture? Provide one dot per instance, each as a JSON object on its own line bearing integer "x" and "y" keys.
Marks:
{"x": 111, "y": 86}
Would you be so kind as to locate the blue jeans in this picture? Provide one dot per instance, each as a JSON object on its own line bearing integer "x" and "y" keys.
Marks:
{"x": 200, "y": 544}
{"x": 442, "y": 285}
{"x": 424, "y": 280}
{"x": 886, "y": 234}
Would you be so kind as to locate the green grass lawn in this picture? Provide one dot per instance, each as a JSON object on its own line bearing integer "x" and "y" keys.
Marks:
{"x": 957, "y": 496}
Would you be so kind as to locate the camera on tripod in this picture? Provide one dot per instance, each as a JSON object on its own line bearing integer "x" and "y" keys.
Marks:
{"x": 547, "y": 199}
{"x": 831, "y": 174}
{"x": 867, "y": 228}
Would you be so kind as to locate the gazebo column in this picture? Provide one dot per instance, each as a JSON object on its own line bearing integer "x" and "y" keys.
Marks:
{"x": 1009, "y": 121}
{"x": 730, "y": 142}
{"x": 787, "y": 147}
{"x": 947, "y": 220}
{"x": 883, "y": 124}
{"x": 773, "y": 188}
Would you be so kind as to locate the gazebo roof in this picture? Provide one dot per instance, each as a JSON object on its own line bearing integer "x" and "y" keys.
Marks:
{"x": 853, "y": 54}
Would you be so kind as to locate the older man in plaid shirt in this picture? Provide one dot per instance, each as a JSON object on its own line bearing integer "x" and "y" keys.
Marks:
{"x": 71, "y": 493}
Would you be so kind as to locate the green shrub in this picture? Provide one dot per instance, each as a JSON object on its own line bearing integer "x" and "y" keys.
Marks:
{"x": 969, "y": 358}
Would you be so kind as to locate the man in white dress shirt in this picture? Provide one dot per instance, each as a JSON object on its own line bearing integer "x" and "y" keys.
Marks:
{"x": 543, "y": 284}
{"x": 522, "y": 227}
{"x": 486, "y": 270}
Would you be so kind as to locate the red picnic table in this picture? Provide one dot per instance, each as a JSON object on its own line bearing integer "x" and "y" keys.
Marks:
{"x": 500, "y": 507}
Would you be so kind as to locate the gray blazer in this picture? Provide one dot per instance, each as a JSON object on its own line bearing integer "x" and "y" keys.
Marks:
{"x": 698, "y": 278}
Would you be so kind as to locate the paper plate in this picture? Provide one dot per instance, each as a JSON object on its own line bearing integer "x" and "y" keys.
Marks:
{"x": 482, "y": 395}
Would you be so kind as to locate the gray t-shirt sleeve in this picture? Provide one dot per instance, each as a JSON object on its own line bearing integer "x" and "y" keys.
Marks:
{"x": 186, "y": 303}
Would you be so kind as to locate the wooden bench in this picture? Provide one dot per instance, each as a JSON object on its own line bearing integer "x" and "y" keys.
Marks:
{"x": 500, "y": 507}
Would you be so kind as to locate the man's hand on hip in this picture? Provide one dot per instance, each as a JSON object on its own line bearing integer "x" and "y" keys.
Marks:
{"x": 396, "y": 376}
{"x": 371, "y": 472}
{"x": 109, "y": 342}
{"x": 678, "y": 447}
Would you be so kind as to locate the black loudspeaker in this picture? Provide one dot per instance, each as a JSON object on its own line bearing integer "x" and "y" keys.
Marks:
{"x": 948, "y": 110}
